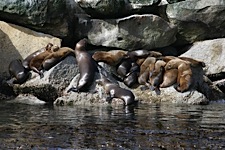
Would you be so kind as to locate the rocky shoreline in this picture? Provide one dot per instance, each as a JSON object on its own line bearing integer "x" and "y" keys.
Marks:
{"x": 185, "y": 28}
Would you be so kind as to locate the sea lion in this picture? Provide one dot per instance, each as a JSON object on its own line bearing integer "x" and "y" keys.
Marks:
{"x": 137, "y": 54}
{"x": 184, "y": 77}
{"x": 115, "y": 91}
{"x": 56, "y": 56}
{"x": 36, "y": 62}
{"x": 27, "y": 60}
{"x": 156, "y": 77}
{"x": 131, "y": 78}
{"x": 112, "y": 57}
{"x": 169, "y": 78}
{"x": 194, "y": 62}
{"x": 17, "y": 72}
{"x": 146, "y": 70}
{"x": 87, "y": 67}
{"x": 124, "y": 67}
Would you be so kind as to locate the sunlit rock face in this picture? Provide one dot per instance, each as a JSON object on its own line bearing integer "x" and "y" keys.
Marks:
{"x": 17, "y": 42}
{"x": 197, "y": 20}
{"x": 133, "y": 32}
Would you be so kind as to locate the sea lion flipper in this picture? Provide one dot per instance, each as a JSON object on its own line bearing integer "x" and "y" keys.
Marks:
{"x": 73, "y": 89}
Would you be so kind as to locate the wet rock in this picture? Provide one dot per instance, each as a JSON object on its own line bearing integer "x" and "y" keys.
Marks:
{"x": 133, "y": 32}
{"x": 46, "y": 16}
{"x": 17, "y": 42}
{"x": 197, "y": 20}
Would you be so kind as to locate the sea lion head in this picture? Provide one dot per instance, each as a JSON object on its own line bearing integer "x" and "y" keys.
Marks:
{"x": 48, "y": 46}
{"x": 81, "y": 44}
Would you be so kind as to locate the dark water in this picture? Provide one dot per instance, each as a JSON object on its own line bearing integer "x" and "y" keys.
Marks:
{"x": 153, "y": 126}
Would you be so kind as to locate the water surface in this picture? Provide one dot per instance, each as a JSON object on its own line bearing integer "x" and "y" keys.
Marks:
{"x": 152, "y": 126}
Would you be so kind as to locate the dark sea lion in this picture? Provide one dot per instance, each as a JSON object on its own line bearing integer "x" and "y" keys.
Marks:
{"x": 124, "y": 67}
{"x": 184, "y": 77}
{"x": 115, "y": 91}
{"x": 27, "y": 60}
{"x": 18, "y": 73}
{"x": 36, "y": 62}
{"x": 112, "y": 57}
{"x": 56, "y": 56}
{"x": 131, "y": 78}
{"x": 156, "y": 77}
{"x": 87, "y": 67}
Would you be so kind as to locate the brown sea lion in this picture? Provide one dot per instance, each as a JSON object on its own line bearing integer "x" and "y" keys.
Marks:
{"x": 184, "y": 77}
{"x": 146, "y": 70}
{"x": 112, "y": 57}
{"x": 194, "y": 62}
{"x": 56, "y": 56}
{"x": 27, "y": 60}
{"x": 87, "y": 67}
{"x": 36, "y": 62}
{"x": 115, "y": 91}
{"x": 169, "y": 78}
{"x": 17, "y": 72}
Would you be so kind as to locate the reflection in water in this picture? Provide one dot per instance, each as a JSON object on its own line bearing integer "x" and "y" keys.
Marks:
{"x": 155, "y": 126}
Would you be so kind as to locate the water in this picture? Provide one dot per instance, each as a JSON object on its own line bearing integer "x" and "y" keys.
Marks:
{"x": 152, "y": 126}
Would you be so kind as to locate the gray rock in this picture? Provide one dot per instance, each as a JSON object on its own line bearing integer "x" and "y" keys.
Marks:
{"x": 212, "y": 52}
{"x": 197, "y": 20}
{"x": 46, "y": 16}
{"x": 133, "y": 32}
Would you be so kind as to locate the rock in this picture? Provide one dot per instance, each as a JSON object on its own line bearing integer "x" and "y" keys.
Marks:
{"x": 46, "y": 16}
{"x": 212, "y": 52}
{"x": 197, "y": 20}
{"x": 150, "y": 32}
{"x": 17, "y": 42}
{"x": 53, "y": 89}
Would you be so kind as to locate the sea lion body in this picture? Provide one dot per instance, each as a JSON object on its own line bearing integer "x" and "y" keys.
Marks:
{"x": 115, "y": 91}
{"x": 112, "y": 57}
{"x": 169, "y": 78}
{"x": 27, "y": 60}
{"x": 184, "y": 77}
{"x": 17, "y": 72}
{"x": 53, "y": 58}
{"x": 124, "y": 67}
{"x": 87, "y": 67}
{"x": 36, "y": 62}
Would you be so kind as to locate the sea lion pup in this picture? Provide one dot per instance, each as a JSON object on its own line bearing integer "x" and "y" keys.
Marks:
{"x": 17, "y": 72}
{"x": 184, "y": 77}
{"x": 115, "y": 91}
{"x": 36, "y": 62}
{"x": 87, "y": 67}
{"x": 27, "y": 60}
{"x": 194, "y": 62}
{"x": 56, "y": 56}
{"x": 112, "y": 57}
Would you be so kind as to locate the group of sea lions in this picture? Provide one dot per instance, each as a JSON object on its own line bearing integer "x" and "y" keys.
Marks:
{"x": 150, "y": 69}
{"x": 139, "y": 67}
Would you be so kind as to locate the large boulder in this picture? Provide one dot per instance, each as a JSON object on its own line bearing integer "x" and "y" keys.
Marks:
{"x": 197, "y": 19}
{"x": 133, "y": 32}
{"x": 212, "y": 52}
{"x": 17, "y": 42}
{"x": 53, "y": 89}
{"x": 48, "y": 16}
